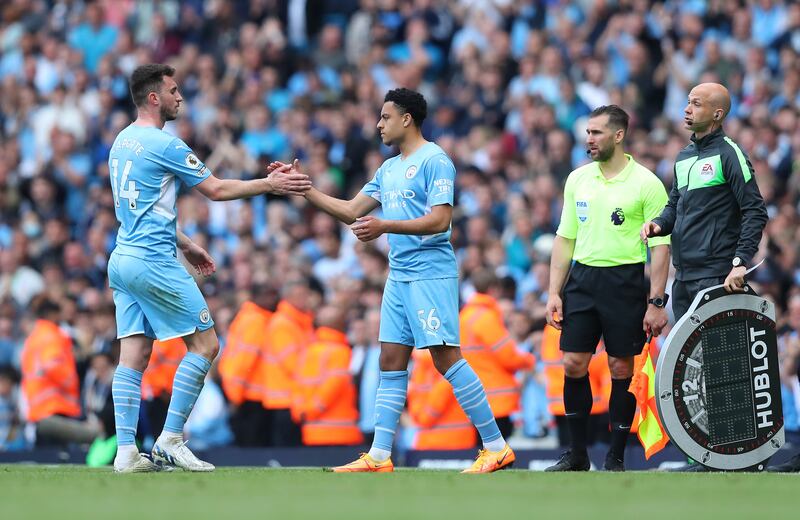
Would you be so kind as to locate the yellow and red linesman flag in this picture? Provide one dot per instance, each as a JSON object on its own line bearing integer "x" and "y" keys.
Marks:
{"x": 651, "y": 432}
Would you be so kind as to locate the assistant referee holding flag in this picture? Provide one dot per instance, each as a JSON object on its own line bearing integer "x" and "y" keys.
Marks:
{"x": 606, "y": 203}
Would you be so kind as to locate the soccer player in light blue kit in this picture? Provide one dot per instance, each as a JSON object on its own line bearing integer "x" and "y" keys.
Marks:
{"x": 154, "y": 295}
{"x": 420, "y": 300}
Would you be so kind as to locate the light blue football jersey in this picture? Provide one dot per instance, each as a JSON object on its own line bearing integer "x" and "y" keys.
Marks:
{"x": 408, "y": 189}
{"x": 145, "y": 165}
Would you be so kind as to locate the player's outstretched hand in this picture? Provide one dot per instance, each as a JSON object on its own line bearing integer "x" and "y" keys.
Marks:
{"x": 200, "y": 259}
{"x": 287, "y": 179}
{"x": 271, "y": 167}
{"x": 368, "y": 228}
{"x": 649, "y": 229}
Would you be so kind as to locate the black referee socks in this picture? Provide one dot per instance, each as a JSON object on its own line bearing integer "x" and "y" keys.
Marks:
{"x": 577, "y": 407}
{"x": 621, "y": 409}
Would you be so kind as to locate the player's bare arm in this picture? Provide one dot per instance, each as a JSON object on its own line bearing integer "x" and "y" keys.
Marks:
{"x": 196, "y": 255}
{"x": 437, "y": 221}
{"x": 346, "y": 211}
{"x": 560, "y": 261}
{"x": 280, "y": 181}
{"x": 656, "y": 317}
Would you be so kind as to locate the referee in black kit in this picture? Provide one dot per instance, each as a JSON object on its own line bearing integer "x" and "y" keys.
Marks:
{"x": 606, "y": 202}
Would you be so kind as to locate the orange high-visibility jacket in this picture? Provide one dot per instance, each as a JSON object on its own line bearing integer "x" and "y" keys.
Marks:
{"x": 325, "y": 396}
{"x": 492, "y": 353}
{"x": 243, "y": 361}
{"x": 289, "y": 333}
{"x": 552, "y": 359}
{"x": 49, "y": 375}
{"x": 160, "y": 372}
{"x": 434, "y": 409}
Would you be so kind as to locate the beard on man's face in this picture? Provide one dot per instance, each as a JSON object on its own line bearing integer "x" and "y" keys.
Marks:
{"x": 168, "y": 115}
{"x": 604, "y": 154}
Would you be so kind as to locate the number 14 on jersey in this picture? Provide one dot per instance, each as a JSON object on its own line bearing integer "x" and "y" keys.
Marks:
{"x": 126, "y": 189}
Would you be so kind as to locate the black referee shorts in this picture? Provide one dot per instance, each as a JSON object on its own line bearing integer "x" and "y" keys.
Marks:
{"x": 607, "y": 302}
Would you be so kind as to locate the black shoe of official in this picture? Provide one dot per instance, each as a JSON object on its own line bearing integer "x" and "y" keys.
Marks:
{"x": 790, "y": 466}
{"x": 613, "y": 464}
{"x": 571, "y": 461}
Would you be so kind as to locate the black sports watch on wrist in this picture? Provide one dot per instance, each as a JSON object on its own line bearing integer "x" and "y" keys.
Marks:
{"x": 659, "y": 301}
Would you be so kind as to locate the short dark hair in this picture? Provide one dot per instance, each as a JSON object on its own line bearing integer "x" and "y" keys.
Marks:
{"x": 148, "y": 78}
{"x": 483, "y": 279}
{"x": 409, "y": 102}
{"x": 617, "y": 118}
{"x": 44, "y": 308}
{"x": 10, "y": 373}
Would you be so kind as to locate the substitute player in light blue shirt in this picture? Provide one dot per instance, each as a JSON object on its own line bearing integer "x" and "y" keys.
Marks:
{"x": 154, "y": 295}
{"x": 420, "y": 300}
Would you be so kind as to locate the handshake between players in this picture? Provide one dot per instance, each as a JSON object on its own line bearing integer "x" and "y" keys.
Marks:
{"x": 288, "y": 179}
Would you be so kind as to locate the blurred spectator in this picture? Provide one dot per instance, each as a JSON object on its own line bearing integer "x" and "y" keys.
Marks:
{"x": 157, "y": 382}
{"x": 490, "y": 349}
{"x": 97, "y": 392}
{"x": 290, "y": 331}
{"x": 207, "y": 426}
{"x": 93, "y": 38}
{"x": 440, "y": 422}
{"x": 324, "y": 400}
{"x": 50, "y": 382}
{"x": 12, "y": 424}
{"x": 242, "y": 366}
{"x": 365, "y": 366}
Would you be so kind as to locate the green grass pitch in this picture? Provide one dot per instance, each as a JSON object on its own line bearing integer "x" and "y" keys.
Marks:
{"x": 67, "y": 492}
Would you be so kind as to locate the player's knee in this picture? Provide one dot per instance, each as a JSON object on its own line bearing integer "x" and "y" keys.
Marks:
{"x": 392, "y": 361}
{"x": 445, "y": 357}
{"x": 135, "y": 352}
{"x": 620, "y": 368}
{"x": 575, "y": 366}
{"x": 208, "y": 350}
{"x": 211, "y": 351}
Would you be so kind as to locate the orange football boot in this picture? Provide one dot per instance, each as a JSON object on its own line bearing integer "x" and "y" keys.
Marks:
{"x": 491, "y": 461}
{"x": 364, "y": 464}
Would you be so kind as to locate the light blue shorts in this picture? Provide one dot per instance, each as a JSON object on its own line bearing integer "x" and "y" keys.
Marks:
{"x": 156, "y": 298}
{"x": 423, "y": 313}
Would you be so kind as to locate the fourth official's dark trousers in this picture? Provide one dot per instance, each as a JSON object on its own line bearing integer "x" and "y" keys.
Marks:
{"x": 683, "y": 292}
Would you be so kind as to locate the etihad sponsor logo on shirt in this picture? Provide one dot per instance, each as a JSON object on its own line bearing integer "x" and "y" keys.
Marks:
{"x": 582, "y": 210}
{"x": 396, "y": 198}
{"x": 707, "y": 171}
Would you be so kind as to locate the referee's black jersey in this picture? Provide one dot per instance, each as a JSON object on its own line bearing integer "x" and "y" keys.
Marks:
{"x": 715, "y": 210}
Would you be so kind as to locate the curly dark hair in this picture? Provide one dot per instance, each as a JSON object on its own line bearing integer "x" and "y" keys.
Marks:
{"x": 409, "y": 102}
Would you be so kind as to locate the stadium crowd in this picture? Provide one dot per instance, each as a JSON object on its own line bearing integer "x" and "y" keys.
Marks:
{"x": 509, "y": 85}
